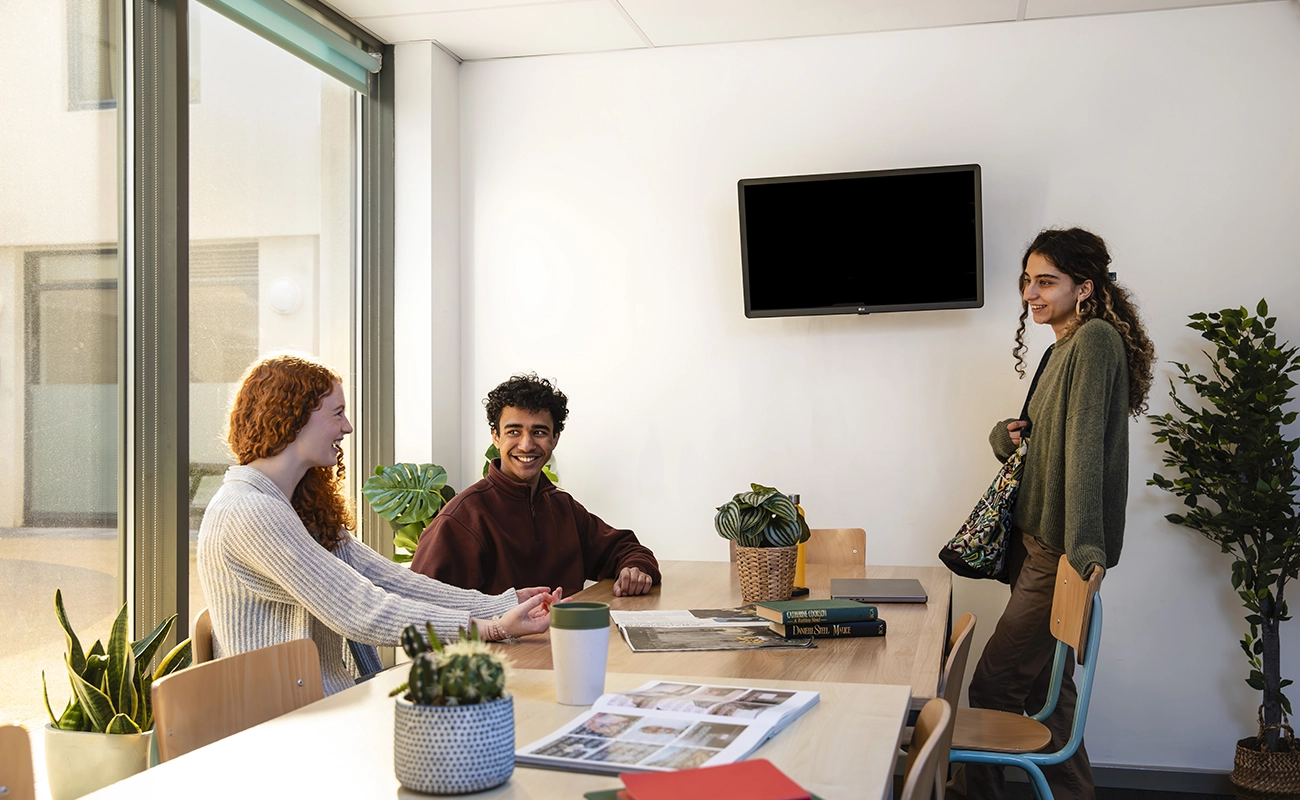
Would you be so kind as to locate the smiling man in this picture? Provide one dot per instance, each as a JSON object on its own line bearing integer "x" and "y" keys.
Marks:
{"x": 515, "y": 527}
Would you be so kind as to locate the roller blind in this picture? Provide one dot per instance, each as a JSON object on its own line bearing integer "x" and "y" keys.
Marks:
{"x": 279, "y": 22}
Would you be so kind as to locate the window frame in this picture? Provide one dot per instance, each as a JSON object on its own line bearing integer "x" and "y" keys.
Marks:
{"x": 153, "y": 160}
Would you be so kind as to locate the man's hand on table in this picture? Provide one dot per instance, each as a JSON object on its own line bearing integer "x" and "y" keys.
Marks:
{"x": 632, "y": 581}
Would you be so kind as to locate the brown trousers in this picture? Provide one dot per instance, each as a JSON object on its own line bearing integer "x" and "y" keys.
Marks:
{"x": 1015, "y": 671}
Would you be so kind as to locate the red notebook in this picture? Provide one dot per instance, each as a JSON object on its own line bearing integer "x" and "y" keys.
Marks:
{"x": 744, "y": 780}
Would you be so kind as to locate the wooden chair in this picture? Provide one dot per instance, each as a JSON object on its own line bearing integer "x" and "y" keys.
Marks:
{"x": 831, "y": 546}
{"x": 202, "y": 637}
{"x": 207, "y": 702}
{"x": 836, "y": 546}
{"x": 17, "y": 781}
{"x": 984, "y": 736}
{"x": 932, "y": 739}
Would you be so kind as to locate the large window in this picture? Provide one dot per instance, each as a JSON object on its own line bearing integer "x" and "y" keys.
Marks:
{"x": 260, "y": 211}
{"x": 59, "y": 340}
{"x": 272, "y": 175}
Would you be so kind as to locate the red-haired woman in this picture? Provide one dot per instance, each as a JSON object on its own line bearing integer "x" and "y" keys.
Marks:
{"x": 275, "y": 555}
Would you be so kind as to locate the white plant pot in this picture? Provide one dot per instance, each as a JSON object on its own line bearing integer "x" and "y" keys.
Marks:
{"x": 454, "y": 749}
{"x": 79, "y": 762}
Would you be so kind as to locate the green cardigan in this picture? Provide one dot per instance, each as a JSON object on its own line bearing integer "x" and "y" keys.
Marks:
{"x": 1075, "y": 484}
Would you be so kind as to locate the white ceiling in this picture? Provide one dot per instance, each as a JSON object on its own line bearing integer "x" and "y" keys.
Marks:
{"x": 474, "y": 30}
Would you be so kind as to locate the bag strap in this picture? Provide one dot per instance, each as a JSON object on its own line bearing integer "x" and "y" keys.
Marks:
{"x": 1038, "y": 373}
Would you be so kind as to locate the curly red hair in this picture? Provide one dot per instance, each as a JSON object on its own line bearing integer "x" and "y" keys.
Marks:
{"x": 276, "y": 397}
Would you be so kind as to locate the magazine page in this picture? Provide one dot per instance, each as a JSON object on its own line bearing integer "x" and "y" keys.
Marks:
{"x": 668, "y": 725}
{"x": 776, "y": 706}
{"x": 691, "y": 618}
{"x": 710, "y": 637}
{"x": 633, "y": 740}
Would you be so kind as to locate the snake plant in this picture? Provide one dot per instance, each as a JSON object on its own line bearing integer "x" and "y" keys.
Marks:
{"x": 409, "y": 496}
{"x": 761, "y": 517}
{"x": 110, "y": 686}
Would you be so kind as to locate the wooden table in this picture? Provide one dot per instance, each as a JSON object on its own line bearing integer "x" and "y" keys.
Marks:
{"x": 342, "y": 746}
{"x": 910, "y": 653}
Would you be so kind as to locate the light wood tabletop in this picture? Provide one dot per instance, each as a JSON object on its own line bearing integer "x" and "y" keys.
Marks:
{"x": 342, "y": 746}
{"x": 910, "y": 653}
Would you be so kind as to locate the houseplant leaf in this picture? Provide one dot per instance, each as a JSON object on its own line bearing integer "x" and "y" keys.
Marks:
{"x": 145, "y": 648}
{"x": 94, "y": 703}
{"x": 76, "y": 658}
{"x": 406, "y": 493}
{"x": 180, "y": 657}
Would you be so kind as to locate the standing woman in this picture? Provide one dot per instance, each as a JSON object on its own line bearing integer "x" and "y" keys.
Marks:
{"x": 1075, "y": 482}
{"x": 275, "y": 555}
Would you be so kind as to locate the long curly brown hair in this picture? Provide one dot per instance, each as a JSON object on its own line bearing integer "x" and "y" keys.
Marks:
{"x": 1083, "y": 256}
{"x": 276, "y": 397}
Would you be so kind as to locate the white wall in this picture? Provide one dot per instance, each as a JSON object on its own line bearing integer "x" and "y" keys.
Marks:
{"x": 600, "y": 247}
{"x": 427, "y": 348}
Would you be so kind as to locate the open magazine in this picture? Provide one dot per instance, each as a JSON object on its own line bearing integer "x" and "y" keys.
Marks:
{"x": 699, "y": 629}
{"x": 664, "y": 726}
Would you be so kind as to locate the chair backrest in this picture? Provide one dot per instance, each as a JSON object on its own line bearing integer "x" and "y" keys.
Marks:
{"x": 836, "y": 546}
{"x": 1072, "y": 605}
{"x": 207, "y": 702}
{"x": 930, "y": 741}
{"x": 829, "y": 546}
{"x": 954, "y": 666}
{"x": 201, "y": 636}
{"x": 17, "y": 781}
{"x": 1075, "y": 622}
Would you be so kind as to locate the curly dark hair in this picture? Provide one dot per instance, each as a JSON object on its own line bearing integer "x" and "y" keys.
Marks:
{"x": 1083, "y": 256}
{"x": 275, "y": 399}
{"x": 529, "y": 393}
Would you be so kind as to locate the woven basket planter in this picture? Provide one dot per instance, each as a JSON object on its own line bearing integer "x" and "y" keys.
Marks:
{"x": 1266, "y": 776}
{"x": 766, "y": 573}
{"x": 454, "y": 749}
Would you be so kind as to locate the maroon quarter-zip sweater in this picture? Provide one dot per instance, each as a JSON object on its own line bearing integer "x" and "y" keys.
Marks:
{"x": 496, "y": 535}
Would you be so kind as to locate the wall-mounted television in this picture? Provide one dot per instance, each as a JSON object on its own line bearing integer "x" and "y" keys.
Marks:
{"x": 862, "y": 242}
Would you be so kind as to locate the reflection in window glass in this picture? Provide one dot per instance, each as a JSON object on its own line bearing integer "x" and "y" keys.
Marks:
{"x": 272, "y": 160}
{"x": 58, "y": 341}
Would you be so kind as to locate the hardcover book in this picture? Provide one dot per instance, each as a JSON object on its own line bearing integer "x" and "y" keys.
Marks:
{"x": 830, "y": 630}
{"x": 785, "y": 612}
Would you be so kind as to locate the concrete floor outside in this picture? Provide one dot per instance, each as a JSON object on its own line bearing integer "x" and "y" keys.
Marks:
{"x": 33, "y": 563}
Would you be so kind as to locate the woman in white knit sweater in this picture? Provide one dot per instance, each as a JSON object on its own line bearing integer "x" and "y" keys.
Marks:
{"x": 275, "y": 555}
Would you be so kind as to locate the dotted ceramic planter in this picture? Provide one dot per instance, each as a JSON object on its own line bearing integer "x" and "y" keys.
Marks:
{"x": 454, "y": 749}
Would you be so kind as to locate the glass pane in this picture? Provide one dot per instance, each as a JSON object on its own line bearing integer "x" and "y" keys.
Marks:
{"x": 272, "y": 165}
{"x": 58, "y": 340}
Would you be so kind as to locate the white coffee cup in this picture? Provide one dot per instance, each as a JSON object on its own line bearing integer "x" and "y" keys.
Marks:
{"x": 579, "y": 651}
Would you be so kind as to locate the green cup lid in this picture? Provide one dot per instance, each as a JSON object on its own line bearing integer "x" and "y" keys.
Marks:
{"x": 580, "y": 616}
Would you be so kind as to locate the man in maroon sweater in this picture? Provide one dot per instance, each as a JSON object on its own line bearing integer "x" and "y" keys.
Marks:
{"x": 514, "y": 527}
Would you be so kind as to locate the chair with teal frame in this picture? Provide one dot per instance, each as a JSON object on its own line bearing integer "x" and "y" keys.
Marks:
{"x": 984, "y": 736}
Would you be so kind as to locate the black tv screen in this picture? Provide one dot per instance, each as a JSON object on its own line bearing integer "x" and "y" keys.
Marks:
{"x": 862, "y": 242}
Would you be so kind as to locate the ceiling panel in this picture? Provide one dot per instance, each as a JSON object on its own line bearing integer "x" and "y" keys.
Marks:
{"x": 672, "y": 22}
{"x": 357, "y": 9}
{"x": 1039, "y": 9}
{"x": 520, "y": 30}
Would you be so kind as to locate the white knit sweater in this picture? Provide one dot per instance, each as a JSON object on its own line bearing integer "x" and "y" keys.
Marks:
{"x": 268, "y": 581}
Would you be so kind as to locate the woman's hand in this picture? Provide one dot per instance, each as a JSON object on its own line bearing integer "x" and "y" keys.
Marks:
{"x": 531, "y": 616}
{"x": 524, "y": 594}
{"x": 1014, "y": 429}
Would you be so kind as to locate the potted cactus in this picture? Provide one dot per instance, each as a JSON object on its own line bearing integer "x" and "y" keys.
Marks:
{"x": 454, "y": 725}
{"x": 104, "y": 732}
{"x": 767, "y": 529}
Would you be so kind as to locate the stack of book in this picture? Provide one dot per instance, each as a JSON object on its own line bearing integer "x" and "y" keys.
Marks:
{"x": 821, "y": 618}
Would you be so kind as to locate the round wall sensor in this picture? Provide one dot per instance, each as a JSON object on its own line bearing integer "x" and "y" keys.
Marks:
{"x": 283, "y": 295}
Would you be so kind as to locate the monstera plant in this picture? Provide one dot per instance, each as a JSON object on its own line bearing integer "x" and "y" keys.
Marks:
{"x": 409, "y": 496}
{"x": 1237, "y": 476}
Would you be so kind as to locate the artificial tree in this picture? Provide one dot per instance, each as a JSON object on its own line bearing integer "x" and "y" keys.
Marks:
{"x": 1238, "y": 478}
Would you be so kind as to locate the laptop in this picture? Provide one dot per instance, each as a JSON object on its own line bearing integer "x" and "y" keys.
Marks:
{"x": 878, "y": 590}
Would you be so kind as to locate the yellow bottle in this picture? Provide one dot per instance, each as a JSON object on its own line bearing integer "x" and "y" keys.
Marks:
{"x": 799, "y": 580}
